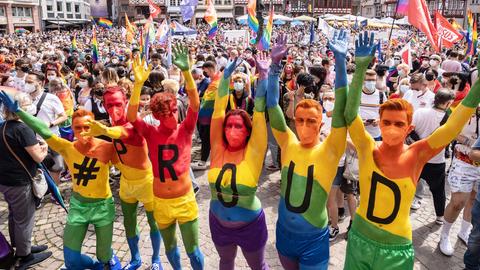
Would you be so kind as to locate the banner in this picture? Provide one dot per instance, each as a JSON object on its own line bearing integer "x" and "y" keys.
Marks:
{"x": 446, "y": 32}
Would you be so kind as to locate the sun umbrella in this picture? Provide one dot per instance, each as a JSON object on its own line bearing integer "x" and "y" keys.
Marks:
{"x": 305, "y": 18}
{"x": 53, "y": 188}
{"x": 295, "y": 23}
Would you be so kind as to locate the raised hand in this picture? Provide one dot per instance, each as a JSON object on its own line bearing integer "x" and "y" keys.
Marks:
{"x": 96, "y": 129}
{"x": 139, "y": 71}
{"x": 279, "y": 49}
{"x": 180, "y": 57}
{"x": 231, "y": 66}
{"x": 9, "y": 102}
{"x": 364, "y": 46}
{"x": 262, "y": 64}
{"x": 339, "y": 43}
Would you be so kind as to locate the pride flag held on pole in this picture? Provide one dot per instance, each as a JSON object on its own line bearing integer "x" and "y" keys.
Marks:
{"x": 264, "y": 44}
{"x": 162, "y": 33}
{"x": 252, "y": 13}
{"x": 154, "y": 9}
{"x": 130, "y": 29}
{"x": 105, "y": 23}
{"x": 402, "y": 7}
{"x": 211, "y": 18}
{"x": 419, "y": 17}
{"x": 94, "y": 47}
{"x": 74, "y": 43}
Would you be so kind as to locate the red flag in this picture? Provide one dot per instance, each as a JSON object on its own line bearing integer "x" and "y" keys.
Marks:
{"x": 419, "y": 16}
{"x": 406, "y": 54}
{"x": 154, "y": 9}
{"x": 447, "y": 34}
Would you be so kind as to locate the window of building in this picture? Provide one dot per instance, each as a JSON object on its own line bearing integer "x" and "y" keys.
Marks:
{"x": 27, "y": 11}
{"x": 70, "y": 16}
{"x": 218, "y": 2}
{"x": 59, "y": 6}
{"x": 78, "y": 16}
{"x": 77, "y": 8}
{"x": 124, "y": 7}
{"x": 2, "y": 11}
{"x": 227, "y": 2}
{"x": 60, "y": 15}
{"x": 69, "y": 7}
{"x": 51, "y": 15}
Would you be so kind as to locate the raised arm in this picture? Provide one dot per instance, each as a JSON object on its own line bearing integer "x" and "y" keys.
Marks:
{"x": 277, "y": 120}
{"x": 454, "y": 125}
{"x": 364, "y": 51}
{"x": 141, "y": 75}
{"x": 99, "y": 129}
{"x": 180, "y": 59}
{"x": 221, "y": 102}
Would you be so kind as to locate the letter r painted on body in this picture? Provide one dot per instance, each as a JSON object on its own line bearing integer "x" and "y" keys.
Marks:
{"x": 167, "y": 163}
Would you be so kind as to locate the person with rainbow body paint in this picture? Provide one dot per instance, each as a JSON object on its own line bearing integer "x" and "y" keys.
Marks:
{"x": 169, "y": 149}
{"x": 381, "y": 233}
{"x": 89, "y": 160}
{"x": 136, "y": 181}
{"x": 308, "y": 167}
{"x": 236, "y": 216}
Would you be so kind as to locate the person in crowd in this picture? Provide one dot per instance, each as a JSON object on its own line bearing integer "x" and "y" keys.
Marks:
{"x": 370, "y": 101}
{"x": 239, "y": 98}
{"x": 292, "y": 98}
{"x": 451, "y": 64}
{"x": 419, "y": 96}
{"x": 435, "y": 64}
{"x": 22, "y": 67}
{"x": 83, "y": 91}
{"x": 22, "y": 153}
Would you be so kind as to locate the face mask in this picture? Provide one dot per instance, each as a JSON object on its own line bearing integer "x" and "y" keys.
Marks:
{"x": 25, "y": 68}
{"x": 328, "y": 105}
{"x": 393, "y": 136}
{"x": 369, "y": 86}
{"x": 317, "y": 63}
{"x": 31, "y": 109}
{"x": 80, "y": 69}
{"x": 205, "y": 74}
{"x": 132, "y": 78}
{"x": 11, "y": 83}
{"x": 241, "y": 69}
{"x": 175, "y": 77}
{"x": 332, "y": 68}
{"x": 115, "y": 61}
{"x": 404, "y": 88}
{"x": 401, "y": 73}
{"x": 433, "y": 63}
{"x": 238, "y": 86}
{"x": 51, "y": 78}
{"x": 30, "y": 88}
{"x": 298, "y": 62}
{"x": 82, "y": 84}
{"x": 429, "y": 77}
{"x": 396, "y": 62}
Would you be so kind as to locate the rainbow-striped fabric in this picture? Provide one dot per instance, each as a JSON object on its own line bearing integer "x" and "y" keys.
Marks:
{"x": 252, "y": 12}
{"x": 105, "y": 23}
{"x": 402, "y": 7}
{"x": 264, "y": 44}
{"x": 211, "y": 18}
{"x": 94, "y": 47}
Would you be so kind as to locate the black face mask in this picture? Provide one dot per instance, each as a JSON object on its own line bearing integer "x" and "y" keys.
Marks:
{"x": 25, "y": 68}
{"x": 205, "y": 74}
{"x": 430, "y": 77}
{"x": 96, "y": 72}
{"x": 98, "y": 93}
{"x": 381, "y": 73}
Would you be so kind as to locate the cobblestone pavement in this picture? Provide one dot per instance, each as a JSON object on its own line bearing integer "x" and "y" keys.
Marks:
{"x": 50, "y": 221}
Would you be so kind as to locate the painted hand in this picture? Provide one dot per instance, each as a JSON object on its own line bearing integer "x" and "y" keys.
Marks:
{"x": 9, "y": 102}
{"x": 262, "y": 64}
{"x": 364, "y": 47}
{"x": 96, "y": 129}
{"x": 180, "y": 57}
{"x": 339, "y": 44}
{"x": 231, "y": 66}
{"x": 279, "y": 49}
{"x": 140, "y": 72}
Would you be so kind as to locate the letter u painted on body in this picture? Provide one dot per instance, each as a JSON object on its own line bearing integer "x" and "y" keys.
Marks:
{"x": 302, "y": 208}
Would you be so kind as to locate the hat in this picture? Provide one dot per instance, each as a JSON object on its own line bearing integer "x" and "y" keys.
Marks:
{"x": 436, "y": 57}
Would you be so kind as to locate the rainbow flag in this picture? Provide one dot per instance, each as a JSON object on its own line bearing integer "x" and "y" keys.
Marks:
{"x": 94, "y": 47}
{"x": 469, "y": 34}
{"x": 211, "y": 18}
{"x": 105, "y": 23}
{"x": 74, "y": 43}
{"x": 474, "y": 38}
{"x": 162, "y": 33}
{"x": 264, "y": 44}
{"x": 252, "y": 12}
{"x": 130, "y": 29}
{"x": 402, "y": 7}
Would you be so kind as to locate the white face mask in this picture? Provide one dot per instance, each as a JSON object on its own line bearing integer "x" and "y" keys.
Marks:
{"x": 31, "y": 109}
{"x": 369, "y": 87}
{"x": 317, "y": 63}
{"x": 29, "y": 88}
{"x": 175, "y": 77}
{"x": 404, "y": 88}
{"x": 132, "y": 78}
{"x": 433, "y": 63}
{"x": 401, "y": 73}
{"x": 396, "y": 62}
{"x": 82, "y": 84}
{"x": 238, "y": 86}
{"x": 11, "y": 83}
{"x": 328, "y": 105}
{"x": 80, "y": 69}
{"x": 51, "y": 78}
{"x": 298, "y": 62}
{"x": 114, "y": 61}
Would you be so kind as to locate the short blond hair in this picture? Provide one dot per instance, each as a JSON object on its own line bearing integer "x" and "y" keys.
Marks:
{"x": 171, "y": 86}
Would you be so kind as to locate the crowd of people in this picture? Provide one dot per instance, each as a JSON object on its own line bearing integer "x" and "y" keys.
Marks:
{"x": 337, "y": 118}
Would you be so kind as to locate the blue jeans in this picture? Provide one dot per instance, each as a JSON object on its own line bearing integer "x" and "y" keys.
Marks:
{"x": 472, "y": 255}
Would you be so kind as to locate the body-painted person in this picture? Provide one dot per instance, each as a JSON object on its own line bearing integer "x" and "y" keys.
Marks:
{"x": 88, "y": 159}
{"x": 308, "y": 167}
{"x": 236, "y": 215}
{"x": 136, "y": 181}
{"x": 381, "y": 233}
{"x": 169, "y": 147}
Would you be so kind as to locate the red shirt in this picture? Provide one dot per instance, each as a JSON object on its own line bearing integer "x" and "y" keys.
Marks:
{"x": 170, "y": 154}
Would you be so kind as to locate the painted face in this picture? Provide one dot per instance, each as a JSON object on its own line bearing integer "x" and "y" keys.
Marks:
{"x": 308, "y": 123}
{"x": 169, "y": 118}
{"x": 115, "y": 104}
{"x": 79, "y": 125}
{"x": 394, "y": 127}
{"x": 236, "y": 132}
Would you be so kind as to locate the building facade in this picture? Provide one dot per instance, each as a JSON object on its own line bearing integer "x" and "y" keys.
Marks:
{"x": 318, "y": 7}
{"x": 64, "y": 13}
{"x": 16, "y": 14}
{"x": 240, "y": 7}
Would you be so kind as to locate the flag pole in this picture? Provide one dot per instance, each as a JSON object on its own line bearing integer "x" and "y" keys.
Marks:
{"x": 259, "y": 15}
{"x": 393, "y": 23}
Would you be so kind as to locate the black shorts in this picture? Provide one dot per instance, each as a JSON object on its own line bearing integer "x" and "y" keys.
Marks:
{"x": 349, "y": 187}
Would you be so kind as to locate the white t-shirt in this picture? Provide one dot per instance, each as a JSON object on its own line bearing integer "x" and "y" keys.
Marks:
{"x": 369, "y": 107}
{"x": 419, "y": 100}
{"x": 426, "y": 121}
{"x": 50, "y": 109}
{"x": 325, "y": 131}
{"x": 470, "y": 131}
